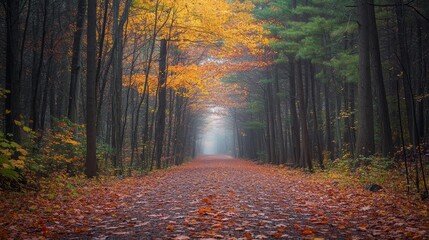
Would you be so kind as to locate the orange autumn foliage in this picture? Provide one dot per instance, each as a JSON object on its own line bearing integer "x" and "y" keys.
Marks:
{"x": 210, "y": 34}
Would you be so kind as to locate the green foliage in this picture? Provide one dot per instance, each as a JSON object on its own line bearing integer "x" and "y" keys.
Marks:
{"x": 345, "y": 64}
{"x": 12, "y": 158}
{"x": 316, "y": 31}
{"x": 253, "y": 125}
{"x": 104, "y": 152}
{"x": 261, "y": 155}
{"x": 3, "y": 93}
{"x": 231, "y": 79}
{"x": 266, "y": 80}
{"x": 255, "y": 107}
{"x": 373, "y": 169}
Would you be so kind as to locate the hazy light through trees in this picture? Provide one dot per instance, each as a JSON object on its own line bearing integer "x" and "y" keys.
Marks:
{"x": 216, "y": 134}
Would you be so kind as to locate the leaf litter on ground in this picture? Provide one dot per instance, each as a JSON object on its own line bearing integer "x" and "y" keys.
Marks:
{"x": 215, "y": 197}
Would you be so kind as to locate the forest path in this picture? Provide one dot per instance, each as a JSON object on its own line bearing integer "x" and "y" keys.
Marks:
{"x": 225, "y": 198}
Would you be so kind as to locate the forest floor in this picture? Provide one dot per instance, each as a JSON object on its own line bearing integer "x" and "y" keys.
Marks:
{"x": 217, "y": 197}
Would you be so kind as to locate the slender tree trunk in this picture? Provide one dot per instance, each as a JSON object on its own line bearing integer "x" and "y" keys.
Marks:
{"x": 13, "y": 82}
{"x": 295, "y": 140}
{"x": 328, "y": 130}
{"x": 170, "y": 121}
{"x": 339, "y": 140}
{"x": 406, "y": 69}
{"x": 269, "y": 124}
{"x": 279, "y": 121}
{"x": 147, "y": 134}
{"x": 382, "y": 106}
{"x": 75, "y": 65}
{"x": 315, "y": 118}
{"x": 91, "y": 133}
{"x": 101, "y": 41}
{"x": 420, "y": 84}
{"x": 46, "y": 89}
{"x": 24, "y": 37}
{"x": 178, "y": 130}
{"x": 100, "y": 93}
{"x": 305, "y": 141}
{"x": 160, "y": 123}
{"x": 117, "y": 51}
{"x": 35, "y": 104}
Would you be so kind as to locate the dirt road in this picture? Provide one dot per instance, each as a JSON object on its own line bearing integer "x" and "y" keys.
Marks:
{"x": 217, "y": 197}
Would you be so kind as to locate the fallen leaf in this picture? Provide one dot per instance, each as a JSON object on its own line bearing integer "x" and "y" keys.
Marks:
{"x": 81, "y": 230}
{"x": 277, "y": 235}
{"x": 308, "y": 231}
{"x": 170, "y": 227}
{"x": 341, "y": 227}
{"x": 248, "y": 236}
{"x": 217, "y": 225}
{"x": 182, "y": 237}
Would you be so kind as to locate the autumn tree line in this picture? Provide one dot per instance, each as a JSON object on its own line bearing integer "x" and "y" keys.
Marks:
{"x": 110, "y": 86}
{"x": 349, "y": 80}
{"x": 122, "y": 85}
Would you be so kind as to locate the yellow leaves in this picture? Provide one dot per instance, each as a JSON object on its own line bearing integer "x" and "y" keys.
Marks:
{"x": 188, "y": 77}
{"x": 206, "y": 22}
{"x": 207, "y": 33}
{"x": 71, "y": 141}
{"x": 18, "y": 123}
{"x": 138, "y": 82}
{"x": 18, "y": 163}
{"x": 26, "y": 129}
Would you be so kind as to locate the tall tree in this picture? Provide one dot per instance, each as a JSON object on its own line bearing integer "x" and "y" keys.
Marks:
{"x": 405, "y": 63}
{"x": 162, "y": 98}
{"x": 378, "y": 80}
{"x": 91, "y": 105}
{"x": 295, "y": 139}
{"x": 75, "y": 65}
{"x": 37, "y": 74}
{"x": 13, "y": 82}
{"x": 365, "y": 135}
{"x": 116, "y": 87}
{"x": 305, "y": 158}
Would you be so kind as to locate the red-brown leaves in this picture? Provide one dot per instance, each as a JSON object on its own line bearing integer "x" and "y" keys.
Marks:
{"x": 170, "y": 227}
{"x": 215, "y": 199}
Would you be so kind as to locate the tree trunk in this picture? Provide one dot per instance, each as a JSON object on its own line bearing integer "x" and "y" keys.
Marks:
{"x": 279, "y": 121}
{"x": 160, "y": 123}
{"x": 35, "y": 104}
{"x": 365, "y": 145}
{"x": 406, "y": 70}
{"x": 116, "y": 88}
{"x": 91, "y": 133}
{"x": 75, "y": 65}
{"x": 305, "y": 160}
{"x": 382, "y": 107}
{"x": 315, "y": 118}
{"x": 13, "y": 82}
{"x": 295, "y": 140}
{"x": 328, "y": 130}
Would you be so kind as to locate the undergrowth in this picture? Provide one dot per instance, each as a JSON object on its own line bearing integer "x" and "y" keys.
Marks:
{"x": 386, "y": 172}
